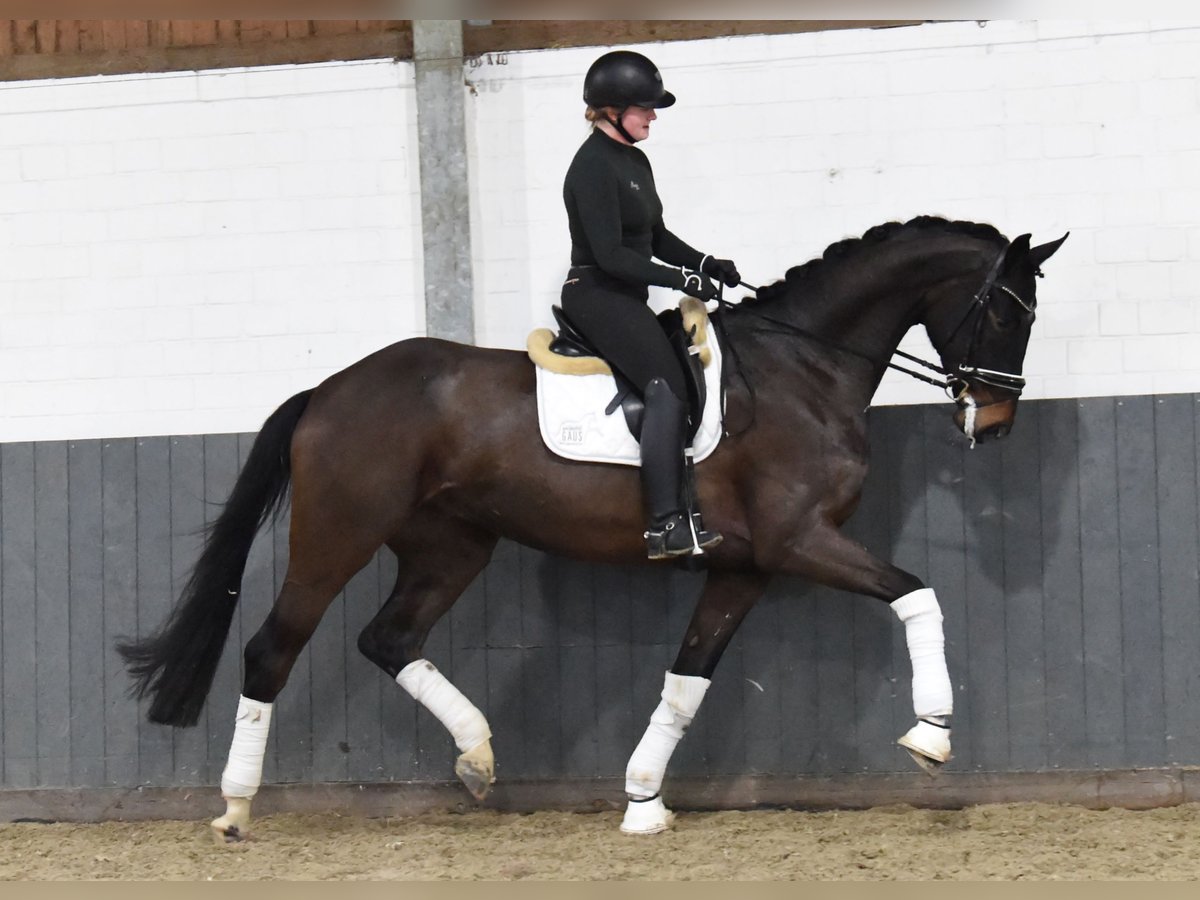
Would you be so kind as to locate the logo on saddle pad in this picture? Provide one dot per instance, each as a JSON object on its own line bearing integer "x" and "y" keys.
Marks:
{"x": 571, "y": 434}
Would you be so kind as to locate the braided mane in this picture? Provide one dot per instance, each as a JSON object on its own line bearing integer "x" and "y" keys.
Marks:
{"x": 811, "y": 272}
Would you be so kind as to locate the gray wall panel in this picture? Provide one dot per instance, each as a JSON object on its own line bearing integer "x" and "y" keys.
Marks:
{"x": 1065, "y": 560}
{"x": 19, "y": 636}
{"x": 1099, "y": 539}
{"x": 85, "y": 589}
{"x": 364, "y": 698}
{"x": 763, "y": 686}
{"x": 985, "y": 664}
{"x": 1023, "y": 600}
{"x": 51, "y": 600}
{"x": 321, "y": 741}
{"x": 875, "y": 726}
{"x": 836, "y": 719}
{"x": 617, "y": 708}
{"x": 156, "y": 745}
{"x": 1141, "y": 620}
{"x": 502, "y": 704}
{"x": 186, "y": 514}
{"x": 797, "y": 644}
{"x": 122, "y": 717}
{"x": 577, "y": 717}
{"x": 541, "y": 723}
{"x": 1178, "y": 540}
{"x": 1062, "y": 585}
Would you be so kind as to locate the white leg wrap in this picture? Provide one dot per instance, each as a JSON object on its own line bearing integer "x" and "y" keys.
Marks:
{"x": 243, "y": 771}
{"x": 430, "y": 688}
{"x": 922, "y": 618}
{"x": 681, "y": 698}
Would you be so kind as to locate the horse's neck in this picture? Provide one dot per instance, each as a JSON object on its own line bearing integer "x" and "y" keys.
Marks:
{"x": 865, "y": 308}
{"x": 843, "y": 327}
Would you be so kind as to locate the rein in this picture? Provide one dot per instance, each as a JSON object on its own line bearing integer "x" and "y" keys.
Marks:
{"x": 789, "y": 328}
{"x": 955, "y": 382}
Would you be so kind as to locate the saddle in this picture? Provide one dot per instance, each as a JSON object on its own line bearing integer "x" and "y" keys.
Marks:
{"x": 570, "y": 353}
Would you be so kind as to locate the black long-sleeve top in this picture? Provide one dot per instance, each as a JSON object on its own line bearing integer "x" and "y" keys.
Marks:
{"x": 615, "y": 215}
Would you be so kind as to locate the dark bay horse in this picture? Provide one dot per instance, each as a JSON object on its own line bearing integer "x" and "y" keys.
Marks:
{"x": 432, "y": 449}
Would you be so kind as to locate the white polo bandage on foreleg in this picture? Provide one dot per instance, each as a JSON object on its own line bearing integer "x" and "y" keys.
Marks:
{"x": 243, "y": 771}
{"x": 430, "y": 688}
{"x": 681, "y": 698}
{"x": 922, "y": 618}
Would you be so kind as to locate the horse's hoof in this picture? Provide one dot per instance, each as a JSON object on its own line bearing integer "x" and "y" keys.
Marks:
{"x": 231, "y": 828}
{"x": 931, "y": 766}
{"x": 476, "y": 769}
{"x": 647, "y": 816}
{"x": 226, "y": 834}
{"x": 928, "y": 745}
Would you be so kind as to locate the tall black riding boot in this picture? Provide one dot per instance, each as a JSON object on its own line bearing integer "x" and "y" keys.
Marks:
{"x": 664, "y": 426}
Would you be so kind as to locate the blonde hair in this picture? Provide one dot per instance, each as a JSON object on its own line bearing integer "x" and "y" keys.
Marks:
{"x": 596, "y": 114}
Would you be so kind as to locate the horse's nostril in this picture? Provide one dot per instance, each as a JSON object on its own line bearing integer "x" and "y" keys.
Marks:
{"x": 995, "y": 432}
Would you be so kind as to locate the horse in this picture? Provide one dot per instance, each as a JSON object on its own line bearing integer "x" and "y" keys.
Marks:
{"x": 432, "y": 448}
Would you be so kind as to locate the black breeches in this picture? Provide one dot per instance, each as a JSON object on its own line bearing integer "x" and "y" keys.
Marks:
{"x": 624, "y": 329}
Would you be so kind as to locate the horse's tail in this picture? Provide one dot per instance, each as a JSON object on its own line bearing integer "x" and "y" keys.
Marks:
{"x": 175, "y": 666}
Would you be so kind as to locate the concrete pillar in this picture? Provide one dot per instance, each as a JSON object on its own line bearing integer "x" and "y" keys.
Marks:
{"x": 445, "y": 205}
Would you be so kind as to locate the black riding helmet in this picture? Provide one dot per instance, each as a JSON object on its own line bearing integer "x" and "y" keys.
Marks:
{"x": 622, "y": 79}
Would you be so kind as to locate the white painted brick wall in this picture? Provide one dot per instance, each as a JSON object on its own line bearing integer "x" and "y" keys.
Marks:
{"x": 179, "y": 253}
{"x": 781, "y": 145}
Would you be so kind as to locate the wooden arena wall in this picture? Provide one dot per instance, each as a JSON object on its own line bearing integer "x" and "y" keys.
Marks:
{"x": 1065, "y": 558}
{"x": 64, "y": 48}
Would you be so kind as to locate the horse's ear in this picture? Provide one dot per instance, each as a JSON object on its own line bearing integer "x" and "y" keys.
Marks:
{"x": 1043, "y": 252}
{"x": 1017, "y": 250}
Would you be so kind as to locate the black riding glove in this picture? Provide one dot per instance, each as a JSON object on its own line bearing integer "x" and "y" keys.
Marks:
{"x": 724, "y": 269}
{"x": 697, "y": 285}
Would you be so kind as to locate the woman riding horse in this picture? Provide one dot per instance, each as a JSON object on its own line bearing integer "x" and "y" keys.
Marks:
{"x": 616, "y": 222}
{"x": 433, "y": 449}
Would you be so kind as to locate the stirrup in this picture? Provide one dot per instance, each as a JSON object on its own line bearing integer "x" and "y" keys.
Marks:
{"x": 675, "y": 536}
{"x": 705, "y": 540}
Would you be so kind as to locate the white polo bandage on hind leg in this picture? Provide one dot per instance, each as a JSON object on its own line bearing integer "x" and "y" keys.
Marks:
{"x": 922, "y": 618}
{"x": 431, "y": 689}
{"x": 681, "y": 698}
{"x": 243, "y": 771}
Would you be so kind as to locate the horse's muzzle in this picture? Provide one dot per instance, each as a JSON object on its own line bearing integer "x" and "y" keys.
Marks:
{"x": 981, "y": 420}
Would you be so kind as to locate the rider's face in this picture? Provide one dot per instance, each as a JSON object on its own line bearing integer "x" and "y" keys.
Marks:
{"x": 637, "y": 121}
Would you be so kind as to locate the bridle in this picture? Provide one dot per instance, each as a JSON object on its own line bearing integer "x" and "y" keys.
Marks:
{"x": 956, "y": 378}
{"x": 957, "y": 381}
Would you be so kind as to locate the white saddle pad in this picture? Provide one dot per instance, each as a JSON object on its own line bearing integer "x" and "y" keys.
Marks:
{"x": 573, "y": 424}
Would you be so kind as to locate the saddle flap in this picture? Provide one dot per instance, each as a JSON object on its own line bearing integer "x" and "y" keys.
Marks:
{"x": 571, "y": 353}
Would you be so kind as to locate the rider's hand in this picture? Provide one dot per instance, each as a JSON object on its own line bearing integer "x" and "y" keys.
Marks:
{"x": 723, "y": 269}
{"x": 699, "y": 286}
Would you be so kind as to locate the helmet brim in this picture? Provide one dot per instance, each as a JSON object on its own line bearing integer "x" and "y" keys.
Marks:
{"x": 667, "y": 99}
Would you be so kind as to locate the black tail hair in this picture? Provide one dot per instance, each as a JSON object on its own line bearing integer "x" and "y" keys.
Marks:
{"x": 176, "y": 664}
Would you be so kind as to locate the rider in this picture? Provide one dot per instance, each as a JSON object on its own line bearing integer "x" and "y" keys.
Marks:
{"x": 616, "y": 224}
